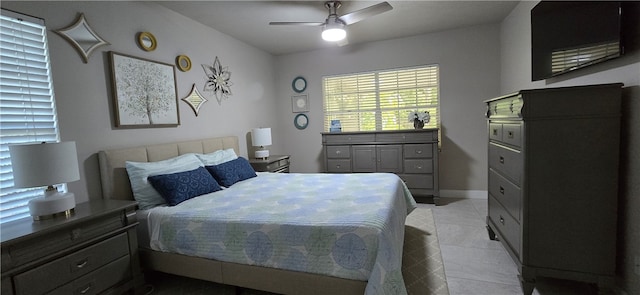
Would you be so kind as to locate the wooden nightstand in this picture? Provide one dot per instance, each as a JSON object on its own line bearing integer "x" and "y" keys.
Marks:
{"x": 93, "y": 251}
{"x": 274, "y": 163}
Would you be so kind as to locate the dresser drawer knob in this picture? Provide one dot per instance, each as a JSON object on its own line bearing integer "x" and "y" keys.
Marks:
{"x": 419, "y": 167}
{"x": 82, "y": 263}
{"x": 495, "y": 132}
{"x": 510, "y": 134}
{"x": 501, "y": 220}
{"x": 85, "y": 290}
{"x": 338, "y": 166}
{"x": 419, "y": 152}
{"x": 337, "y": 152}
{"x": 501, "y": 160}
{"x": 502, "y": 190}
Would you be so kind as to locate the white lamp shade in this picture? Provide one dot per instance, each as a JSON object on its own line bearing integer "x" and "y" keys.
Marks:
{"x": 44, "y": 164}
{"x": 261, "y": 136}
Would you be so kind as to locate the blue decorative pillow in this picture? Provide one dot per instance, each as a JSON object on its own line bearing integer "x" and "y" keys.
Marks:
{"x": 232, "y": 171}
{"x": 178, "y": 187}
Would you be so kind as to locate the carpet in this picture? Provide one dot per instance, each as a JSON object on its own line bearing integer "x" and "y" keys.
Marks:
{"x": 422, "y": 266}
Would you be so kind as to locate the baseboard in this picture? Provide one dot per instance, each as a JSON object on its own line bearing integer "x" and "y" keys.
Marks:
{"x": 464, "y": 194}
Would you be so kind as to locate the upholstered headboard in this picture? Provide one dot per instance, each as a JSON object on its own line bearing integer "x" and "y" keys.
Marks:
{"x": 115, "y": 181}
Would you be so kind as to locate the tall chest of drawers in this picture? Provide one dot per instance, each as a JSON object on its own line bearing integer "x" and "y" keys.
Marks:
{"x": 553, "y": 181}
{"x": 94, "y": 251}
{"x": 411, "y": 154}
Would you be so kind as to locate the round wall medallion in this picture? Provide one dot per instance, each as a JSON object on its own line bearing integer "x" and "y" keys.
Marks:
{"x": 299, "y": 84}
{"x": 301, "y": 121}
{"x": 183, "y": 62}
{"x": 147, "y": 41}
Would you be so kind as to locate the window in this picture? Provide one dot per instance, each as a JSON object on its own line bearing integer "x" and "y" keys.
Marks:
{"x": 382, "y": 100}
{"x": 27, "y": 108}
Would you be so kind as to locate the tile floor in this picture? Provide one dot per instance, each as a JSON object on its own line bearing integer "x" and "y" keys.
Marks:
{"x": 476, "y": 265}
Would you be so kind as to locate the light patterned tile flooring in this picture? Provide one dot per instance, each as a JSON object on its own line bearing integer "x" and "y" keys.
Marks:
{"x": 476, "y": 265}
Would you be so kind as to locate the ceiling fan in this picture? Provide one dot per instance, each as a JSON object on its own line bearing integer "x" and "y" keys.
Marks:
{"x": 334, "y": 25}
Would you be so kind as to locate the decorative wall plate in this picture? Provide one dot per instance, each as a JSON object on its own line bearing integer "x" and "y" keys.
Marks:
{"x": 183, "y": 63}
{"x": 195, "y": 100}
{"x": 299, "y": 84}
{"x": 300, "y": 103}
{"x": 301, "y": 121}
{"x": 147, "y": 41}
{"x": 82, "y": 37}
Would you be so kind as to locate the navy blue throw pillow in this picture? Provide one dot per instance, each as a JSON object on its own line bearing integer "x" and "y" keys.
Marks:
{"x": 232, "y": 171}
{"x": 178, "y": 187}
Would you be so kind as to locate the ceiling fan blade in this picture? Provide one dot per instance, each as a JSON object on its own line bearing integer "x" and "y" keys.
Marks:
{"x": 361, "y": 14}
{"x": 312, "y": 24}
{"x": 343, "y": 42}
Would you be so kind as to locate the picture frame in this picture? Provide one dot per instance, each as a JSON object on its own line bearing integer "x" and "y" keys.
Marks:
{"x": 144, "y": 92}
{"x": 300, "y": 103}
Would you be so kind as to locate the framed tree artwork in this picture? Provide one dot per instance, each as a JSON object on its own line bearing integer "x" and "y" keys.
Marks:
{"x": 144, "y": 92}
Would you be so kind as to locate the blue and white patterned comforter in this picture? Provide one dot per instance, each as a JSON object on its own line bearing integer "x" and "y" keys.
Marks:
{"x": 344, "y": 225}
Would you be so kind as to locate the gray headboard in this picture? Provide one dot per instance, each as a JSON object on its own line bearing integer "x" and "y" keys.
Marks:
{"x": 115, "y": 181}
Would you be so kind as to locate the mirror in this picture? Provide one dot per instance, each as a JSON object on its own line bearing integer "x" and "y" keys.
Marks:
{"x": 147, "y": 41}
{"x": 183, "y": 62}
{"x": 82, "y": 37}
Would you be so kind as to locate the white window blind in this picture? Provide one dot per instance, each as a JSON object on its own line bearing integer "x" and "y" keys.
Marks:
{"x": 381, "y": 100}
{"x": 27, "y": 108}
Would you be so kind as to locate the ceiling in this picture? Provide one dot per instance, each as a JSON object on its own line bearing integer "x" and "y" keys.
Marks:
{"x": 248, "y": 21}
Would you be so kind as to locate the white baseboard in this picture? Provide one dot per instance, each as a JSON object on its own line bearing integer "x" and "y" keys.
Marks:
{"x": 464, "y": 194}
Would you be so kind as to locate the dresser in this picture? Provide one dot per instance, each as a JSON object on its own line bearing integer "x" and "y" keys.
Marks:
{"x": 411, "y": 154}
{"x": 553, "y": 181}
{"x": 94, "y": 251}
{"x": 273, "y": 163}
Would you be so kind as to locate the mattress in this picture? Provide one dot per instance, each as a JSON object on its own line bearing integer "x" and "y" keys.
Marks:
{"x": 344, "y": 225}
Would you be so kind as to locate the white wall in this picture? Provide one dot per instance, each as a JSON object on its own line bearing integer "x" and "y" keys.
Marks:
{"x": 83, "y": 91}
{"x": 469, "y": 61}
{"x": 515, "y": 45}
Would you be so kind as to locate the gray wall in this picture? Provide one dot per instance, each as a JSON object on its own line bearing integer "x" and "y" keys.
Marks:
{"x": 469, "y": 61}
{"x": 83, "y": 91}
{"x": 516, "y": 74}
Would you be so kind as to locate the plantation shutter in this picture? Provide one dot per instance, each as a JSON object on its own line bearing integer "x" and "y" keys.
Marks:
{"x": 27, "y": 108}
{"x": 381, "y": 100}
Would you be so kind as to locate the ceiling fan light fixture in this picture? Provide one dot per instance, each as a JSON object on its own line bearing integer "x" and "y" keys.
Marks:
{"x": 334, "y": 32}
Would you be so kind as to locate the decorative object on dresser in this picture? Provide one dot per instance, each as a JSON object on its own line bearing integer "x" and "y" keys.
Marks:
{"x": 553, "y": 181}
{"x": 46, "y": 164}
{"x": 94, "y": 251}
{"x": 412, "y": 154}
{"x": 419, "y": 119}
{"x": 274, "y": 163}
{"x": 260, "y": 137}
{"x": 82, "y": 37}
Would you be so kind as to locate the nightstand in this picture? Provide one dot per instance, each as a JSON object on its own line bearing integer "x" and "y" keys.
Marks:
{"x": 93, "y": 251}
{"x": 273, "y": 163}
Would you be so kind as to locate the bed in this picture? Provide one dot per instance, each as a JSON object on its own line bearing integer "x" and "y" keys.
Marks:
{"x": 268, "y": 233}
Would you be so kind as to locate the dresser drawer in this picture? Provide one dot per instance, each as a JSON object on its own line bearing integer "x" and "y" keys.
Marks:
{"x": 495, "y": 131}
{"x": 418, "y": 166}
{"x": 338, "y": 152}
{"x": 507, "y": 227}
{"x": 512, "y": 134}
{"x": 418, "y": 151}
{"x": 70, "y": 267}
{"x": 505, "y": 107}
{"x": 506, "y": 161}
{"x": 98, "y": 280}
{"x": 418, "y": 181}
{"x": 28, "y": 250}
{"x": 349, "y": 138}
{"x": 507, "y": 193}
{"x": 338, "y": 166}
{"x": 406, "y": 136}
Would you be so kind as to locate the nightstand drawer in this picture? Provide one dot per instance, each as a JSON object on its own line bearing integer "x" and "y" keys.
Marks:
{"x": 338, "y": 166}
{"x": 277, "y": 165}
{"x": 506, "y": 161}
{"x": 98, "y": 280}
{"x": 338, "y": 152}
{"x": 27, "y": 251}
{"x": 71, "y": 267}
{"x": 418, "y": 166}
{"x": 418, "y": 151}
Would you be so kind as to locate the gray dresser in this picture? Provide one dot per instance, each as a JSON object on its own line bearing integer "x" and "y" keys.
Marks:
{"x": 553, "y": 181}
{"x": 411, "y": 154}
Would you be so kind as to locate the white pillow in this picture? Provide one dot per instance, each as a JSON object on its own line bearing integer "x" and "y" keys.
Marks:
{"x": 139, "y": 172}
{"x": 217, "y": 157}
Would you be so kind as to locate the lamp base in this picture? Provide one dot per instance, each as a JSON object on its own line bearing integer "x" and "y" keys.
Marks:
{"x": 53, "y": 205}
{"x": 261, "y": 154}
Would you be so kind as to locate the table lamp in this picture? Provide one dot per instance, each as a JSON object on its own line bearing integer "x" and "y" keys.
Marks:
{"x": 261, "y": 137}
{"x": 46, "y": 164}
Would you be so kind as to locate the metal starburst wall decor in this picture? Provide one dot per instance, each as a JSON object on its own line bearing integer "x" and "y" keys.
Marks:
{"x": 218, "y": 80}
